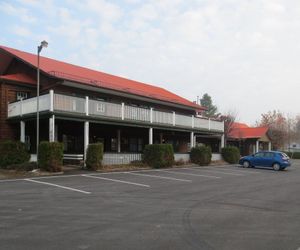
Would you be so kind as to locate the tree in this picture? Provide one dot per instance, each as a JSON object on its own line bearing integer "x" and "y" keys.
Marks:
{"x": 212, "y": 110}
{"x": 278, "y": 128}
{"x": 229, "y": 118}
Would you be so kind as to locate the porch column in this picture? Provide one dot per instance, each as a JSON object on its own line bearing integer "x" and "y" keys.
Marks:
{"x": 223, "y": 141}
{"x": 192, "y": 140}
{"x": 257, "y": 146}
{"x": 150, "y": 136}
{"x": 161, "y": 138}
{"x": 52, "y": 129}
{"x": 119, "y": 140}
{"x": 22, "y": 131}
{"x": 86, "y": 137}
{"x": 270, "y": 146}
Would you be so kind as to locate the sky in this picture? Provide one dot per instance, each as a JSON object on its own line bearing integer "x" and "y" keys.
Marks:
{"x": 244, "y": 53}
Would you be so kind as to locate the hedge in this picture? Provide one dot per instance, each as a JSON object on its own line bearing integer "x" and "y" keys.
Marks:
{"x": 158, "y": 155}
{"x": 51, "y": 156}
{"x": 94, "y": 156}
{"x": 231, "y": 154}
{"x": 201, "y": 155}
{"x": 293, "y": 155}
{"x": 12, "y": 152}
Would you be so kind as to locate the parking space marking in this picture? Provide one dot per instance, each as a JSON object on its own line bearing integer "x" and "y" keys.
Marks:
{"x": 215, "y": 171}
{"x": 235, "y": 170}
{"x": 182, "y": 173}
{"x": 115, "y": 180}
{"x": 160, "y": 177}
{"x": 59, "y": 186}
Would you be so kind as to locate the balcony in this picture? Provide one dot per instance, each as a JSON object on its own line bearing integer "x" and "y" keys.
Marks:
{"x": 71, "y": 105}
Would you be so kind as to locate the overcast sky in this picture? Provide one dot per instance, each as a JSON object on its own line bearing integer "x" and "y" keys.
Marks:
{"x": 243, "y": 53}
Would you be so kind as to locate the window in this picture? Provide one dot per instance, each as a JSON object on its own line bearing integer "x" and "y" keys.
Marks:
{"x": 21, "y": 96}
{"x": 269, "y": 155}
{"x": 259, "y": 155}
{"x": 100, "y": 107}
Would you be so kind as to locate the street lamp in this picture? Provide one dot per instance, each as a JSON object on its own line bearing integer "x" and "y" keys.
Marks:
{"x": 44, "y": 44}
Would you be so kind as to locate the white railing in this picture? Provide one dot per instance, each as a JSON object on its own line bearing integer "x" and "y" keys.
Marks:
{"x": 216, "y": 125}
{"x": 101, "y": 108}
{"x": 183, "y": 120}
{"x": 120, "y": 158}
{"x": 162, "y": 117}
{"x": 136, "y": 113}
{"x": 28, "y": 106}
{"x": 69, "y": 103}
{"x": 85, "y": 106}
{"x": 201, "y": 123}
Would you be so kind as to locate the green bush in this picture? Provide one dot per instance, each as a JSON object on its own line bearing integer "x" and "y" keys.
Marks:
{"x": 231, "y": 154}
{"x": 94, "y": 156}
{"x": 26, "y": 166}
{"x": 201, "y": 155}
{"x": 159, "y": 155}
{"x": 51, "y": 156}
{"x": 293, "y": 155}
{"x": 12, "y": 152}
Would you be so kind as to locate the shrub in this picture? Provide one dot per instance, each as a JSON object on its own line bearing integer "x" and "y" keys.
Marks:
{"x": 231, "y": 154}
{"x": 51, "y": 156}
{"x": 94, "y": 156}
{"x": 293, "y": 155}
{"x": 159, "y": 155}
{"x": 27, "y": 166}
{"x": 13, "y": 152}
{"x": 201, "y": 155}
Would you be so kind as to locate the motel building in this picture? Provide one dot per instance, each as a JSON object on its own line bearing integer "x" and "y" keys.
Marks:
{"x": 79, "y": 106}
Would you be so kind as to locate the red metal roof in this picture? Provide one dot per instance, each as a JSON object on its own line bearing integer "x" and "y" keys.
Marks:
{"x": 99, "y": 79}
{"x": 19, "y": 77}
{"x": 243, "y": 131}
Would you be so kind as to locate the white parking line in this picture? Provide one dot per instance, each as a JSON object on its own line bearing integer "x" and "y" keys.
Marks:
{"x": 160, "y": 177}
{"x": 115, "y": 180}
{"x": 59, "y": 186}
{"x": 177, "y": 172}
{"x": 235, "y": 170}
{"x": 215, "y": 171}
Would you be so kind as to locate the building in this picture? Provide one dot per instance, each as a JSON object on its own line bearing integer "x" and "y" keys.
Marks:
{"x": 79, "y": 106}
{"x": 249, "y": 139}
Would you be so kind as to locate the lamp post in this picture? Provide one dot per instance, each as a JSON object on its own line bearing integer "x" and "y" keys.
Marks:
{"x": 44, "y": 44}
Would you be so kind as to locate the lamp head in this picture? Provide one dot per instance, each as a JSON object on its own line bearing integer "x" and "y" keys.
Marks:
{"x": 44, "y": 44}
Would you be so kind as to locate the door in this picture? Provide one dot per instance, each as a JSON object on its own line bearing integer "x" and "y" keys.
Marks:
{"x": 258, "y": 159}
{"x": 268, "y": 159}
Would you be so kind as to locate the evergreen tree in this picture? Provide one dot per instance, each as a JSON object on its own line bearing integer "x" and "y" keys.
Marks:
{"x": 212, "y": 110}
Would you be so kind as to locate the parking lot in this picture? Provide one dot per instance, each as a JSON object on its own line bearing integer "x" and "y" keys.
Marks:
{"x": 217, "y": 207}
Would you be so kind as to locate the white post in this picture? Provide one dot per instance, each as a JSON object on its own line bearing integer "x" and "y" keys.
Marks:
{"x": 122, "y": 110}
{"x": 151, "y": 115}
{"x": 22, "y": 131}
{"x": 270, "y": 146}
{"x": 52, "y": 129}
{"x": 86, "y": 137}
{"x": 119, "y": 140}
{"x": 51, "y": 94}
{"x": 195, "y": 141}
{"x": 208, "y": 123}
{"x": 257, "y": 146}
{"x": 87, "y": 105}
{"x": 192, "y": 140}
{"x": 174, "y": 118}
{"x": 150, "y": 136}
{"x": 193, "y": 121}
{"x": 21, "y": 107}
{"x": 223, "y": 141}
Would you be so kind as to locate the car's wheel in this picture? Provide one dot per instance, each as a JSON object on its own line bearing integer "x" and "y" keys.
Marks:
{"x": 246, "y": 164}
{"x": 276, "y": 167}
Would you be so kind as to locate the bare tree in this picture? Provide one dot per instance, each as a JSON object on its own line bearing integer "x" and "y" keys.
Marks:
{"x": 229, "y": 119}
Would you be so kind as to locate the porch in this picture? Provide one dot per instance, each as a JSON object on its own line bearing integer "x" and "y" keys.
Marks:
{"x": 123, "y": 129}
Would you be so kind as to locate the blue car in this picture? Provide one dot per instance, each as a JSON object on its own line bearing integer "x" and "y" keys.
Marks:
{"x": 274, "y": 159}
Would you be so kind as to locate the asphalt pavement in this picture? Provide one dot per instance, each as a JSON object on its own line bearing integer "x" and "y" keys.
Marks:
{"x": 219, "y": 207}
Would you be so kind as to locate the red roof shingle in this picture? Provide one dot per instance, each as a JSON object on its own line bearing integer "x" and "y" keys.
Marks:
{"x": 243, "y": 131}
{"x": 99, "y": 79}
